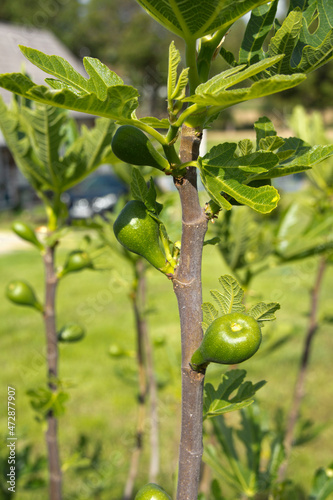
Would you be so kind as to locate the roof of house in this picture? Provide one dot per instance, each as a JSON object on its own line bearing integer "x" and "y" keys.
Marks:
{"x": 13, "y": 61}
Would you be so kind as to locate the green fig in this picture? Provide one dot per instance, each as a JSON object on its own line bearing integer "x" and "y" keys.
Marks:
{"x": 152, "y": 491}
{"x": 138, "y": 232}
{"x": 71, "y": 332}
{"x": 76, "y": 261}
{"x": 228, "y": 340}
{"x": 22, "y": 294}
{"x": 132, "y": 146}
{"x": 26, "y": 233}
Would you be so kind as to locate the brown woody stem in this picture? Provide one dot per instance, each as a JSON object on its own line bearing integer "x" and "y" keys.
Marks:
{"x": 188, "y": 290}
{"x": 52, "y": 369}
{"x": 138, "y": 300}
{"x": 300, "y": 381}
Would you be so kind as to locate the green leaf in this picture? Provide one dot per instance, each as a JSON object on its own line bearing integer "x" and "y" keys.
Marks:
{"x": 219, "y": 401}
{"x": 257, "y": 29}
{"x": 306, "y": 50}
{"x": 48, "y": 157}
{"x": 90, "y": 149}
{"x": 233, "y": 76}
{"x": 264, "y": 312}
{"x": 264, "y": 128}
{"x": 43, "y": 400}
{"x": 224, "y": 155}
{"x": 209, "y": 314}
{"x": 151, "y": 121}
{"x": 230, "y": 300}
{"x": 227, "y": 183}
{"x": 20, "y": 147}
{"x": 300, "y": 157}
{"x": 139, "y": 187}
{"x": 176, "y": 86}
{"x": 284, "y": 42}
{"x": 245, "y": 147}
{"x": 194, "y": 19}
{"x": 103, "y": 94}
{"x": 150, "y": 201}
{"x": 303, "y": 232}
{"x": 226, "y": 98}
{"x": 322, "y": 485}
{"x": 305, "y": 37}
{"x": 271, "y": 143}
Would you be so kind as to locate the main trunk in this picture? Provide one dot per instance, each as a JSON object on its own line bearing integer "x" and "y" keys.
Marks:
{"x": 188, "y": 289}
{"x": 52, "y": 370}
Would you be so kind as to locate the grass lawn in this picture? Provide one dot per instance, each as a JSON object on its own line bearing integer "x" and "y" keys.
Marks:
{"x": 100, "y": 417}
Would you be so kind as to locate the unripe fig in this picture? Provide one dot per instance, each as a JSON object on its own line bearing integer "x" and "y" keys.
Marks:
{"x": 76, "y": 261}
{"x": 26, "y": 233}
{"x": 22, "y": 294}
{"x": 228, "y": 340}
{"x": 152, "y": 491}
{"x": 137, "y": 231}
{"x": 132, "y": 146}
{"x": 71, "y": 332}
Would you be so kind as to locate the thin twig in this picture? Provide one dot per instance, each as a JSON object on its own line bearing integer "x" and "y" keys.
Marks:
{"x": 300, "y": 381}
{"x": 140, "y": 323}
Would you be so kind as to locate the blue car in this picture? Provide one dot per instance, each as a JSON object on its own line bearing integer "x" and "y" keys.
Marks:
{"x": 95, "y": 195}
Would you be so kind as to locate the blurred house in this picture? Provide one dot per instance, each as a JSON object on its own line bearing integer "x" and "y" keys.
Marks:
{"x": 14, "y": 189}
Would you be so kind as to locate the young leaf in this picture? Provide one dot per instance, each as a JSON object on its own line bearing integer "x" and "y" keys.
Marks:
{"x": 139, "y": 187}
{"x": 209, "y": 314}
{"x": 225, "y": 98}
{"x": 174, "y": 60}
{"x": 264, "y": 128}
{"x": 151, "y": 121}
{"x": 264, "y": 312}
{"x": 230, "y": 300}
{"x": 176, "y": 86}
{"x": 245, "y": 147}
{"x": 103, "y": 94}
{"x": 233, "y": 76}
{"x": 219, "y": 401}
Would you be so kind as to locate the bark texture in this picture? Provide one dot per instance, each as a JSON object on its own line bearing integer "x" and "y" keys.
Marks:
{"x": 188, "y": 290}
{"x": 51, "y": 434}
